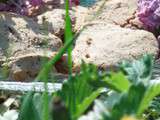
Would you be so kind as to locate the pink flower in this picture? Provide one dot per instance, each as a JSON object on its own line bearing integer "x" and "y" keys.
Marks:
{"x": 149, "y": 13}
{"x": 21, "y": 6}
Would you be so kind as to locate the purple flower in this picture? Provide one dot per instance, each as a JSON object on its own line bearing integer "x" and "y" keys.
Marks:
{"x": 24, "y": 7}
{"x": 149, "y": 13}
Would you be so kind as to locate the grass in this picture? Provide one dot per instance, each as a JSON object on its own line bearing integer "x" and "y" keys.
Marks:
{"x": 68, "y": 35}
{"x": 43, "y": 75}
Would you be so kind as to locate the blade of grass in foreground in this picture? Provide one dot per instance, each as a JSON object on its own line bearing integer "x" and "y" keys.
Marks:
{"x": 43, "y": 75}
{"x": 68, "y": 35}
{"x": 25, "y": 109}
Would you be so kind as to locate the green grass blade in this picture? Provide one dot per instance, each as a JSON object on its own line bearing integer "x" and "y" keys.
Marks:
{"x": 77, "y": 93}
{"x": 45, "y": 103}
{"x": 28, "y": 110}
{"x": 48, "y": 66}
{"x": 68, "y": 35}
{"x": 87, "y": 102}
{"x": 43, "y": 77}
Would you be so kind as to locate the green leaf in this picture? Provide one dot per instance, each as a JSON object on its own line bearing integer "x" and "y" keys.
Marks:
{"x": 48, "y": 66}
{"x": 77, "y": 93}
{"x": 115, "y": 81}
{"x": 139, "y": 70}
{"x": 45, "y": 113}
{"x": 152, "y": 91}
{"x": 128, "y": 104}
{"x": 133, "y": 102}
{"x": 87, "y": 102}
{"x": 28, "y": 109}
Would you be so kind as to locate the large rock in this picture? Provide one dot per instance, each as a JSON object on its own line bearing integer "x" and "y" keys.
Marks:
{"x": 22, "y": 36}
{"x": 54, "y": 21}
{"x": 106, "y": 44}
{"x": 26, "y": 67}
{"x": 81, "y": 16}
{"x": 119, "y": 12}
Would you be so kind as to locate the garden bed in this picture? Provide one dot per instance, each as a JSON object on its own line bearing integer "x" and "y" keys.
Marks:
{"x": 79, "y": 60}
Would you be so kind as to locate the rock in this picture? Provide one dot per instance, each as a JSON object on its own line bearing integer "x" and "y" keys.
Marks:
{"x": 85, "y": 14}
{"x": 81, "y": 15}
{"x": 22, "y": 36}
{"x": 119, "y": 12}
{"x": 27, "y": 66}
{"x": 106, "y": 45}
{"x": 54, "y": 21}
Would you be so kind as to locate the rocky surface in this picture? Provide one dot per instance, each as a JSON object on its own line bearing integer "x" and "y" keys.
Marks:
{"x": 54, "y": 21}
{"x": 26, "y": 67}
{"x": 81, "y": 17}
{"x": 21, "y": 36}
{"x": 106, "y": 44}
{"x": 119, "y": 12}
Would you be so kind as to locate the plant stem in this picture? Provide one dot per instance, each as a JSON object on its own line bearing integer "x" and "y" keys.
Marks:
{"x": 68, "y": 36}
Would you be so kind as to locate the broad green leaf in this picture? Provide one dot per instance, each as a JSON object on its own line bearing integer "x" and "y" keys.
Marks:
{"x": 133, "y": 102}
{"x": 152, "y": 91}
{"x": 118, "y": 82}
{"x": 115, "y": 81}
{"x": 139, "y": 70}
{"x": 127, "y": 104}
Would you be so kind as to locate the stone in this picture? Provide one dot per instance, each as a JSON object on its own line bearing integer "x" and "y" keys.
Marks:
{"x": 20, "y": 33}
{"x": 119, "y": 12}
{"x": 54, "y": 21}
{"x": 81, "y": 15}
{"x": 106, "y": 45}
{"x": 22, "y": 36}
{"x": 27, "y": 66}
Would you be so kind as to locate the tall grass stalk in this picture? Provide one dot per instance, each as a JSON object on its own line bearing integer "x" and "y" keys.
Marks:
{"x": 46, "y": 104}
{"x": 68, "y": 35}
{"x": 44, "y": 73}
